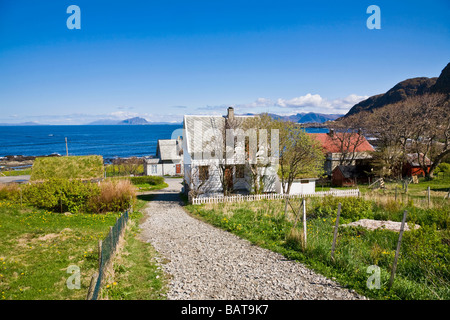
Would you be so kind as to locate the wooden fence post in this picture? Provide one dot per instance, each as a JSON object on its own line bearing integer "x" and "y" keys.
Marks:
{"x": 335, "y": 231}
{"x": 304, "y": 224}
{"x": 429, "y": 196}
{"x": 394, "y": 266}
{"x": 92, "y": 286}
{"x": 286, "y": 204}
{"x": 112, "y": 240}
{"x": 99, "y": 254}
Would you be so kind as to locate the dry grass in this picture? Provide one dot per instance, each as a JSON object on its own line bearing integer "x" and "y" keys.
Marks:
{"x": 9, "y": 191}
{"x": 115, "y": 195}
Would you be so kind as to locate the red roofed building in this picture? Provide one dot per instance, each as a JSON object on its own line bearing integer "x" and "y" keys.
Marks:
{"x": 343, "y": 148}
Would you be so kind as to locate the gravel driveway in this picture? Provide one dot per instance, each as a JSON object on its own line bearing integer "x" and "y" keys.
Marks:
{"x": 208, "y": 263}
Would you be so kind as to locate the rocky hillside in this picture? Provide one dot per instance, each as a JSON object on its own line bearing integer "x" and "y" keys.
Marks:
{"x": 404, "y": 89}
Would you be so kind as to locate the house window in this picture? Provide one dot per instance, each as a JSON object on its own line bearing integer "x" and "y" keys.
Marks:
{"x": 240, "y": 172}
{"x": 203, "y": 173}
{"x": 304, "y": 181}
{"x": 154, "y": 169}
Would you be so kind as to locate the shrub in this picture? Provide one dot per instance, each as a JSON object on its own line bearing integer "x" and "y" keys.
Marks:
{"x": 9, "y": 192}
{"x": 116, "y": 195}
{"x": 443, "y": 167}
{"x": 151, "y": 180}
{"x": 60, "y": 195}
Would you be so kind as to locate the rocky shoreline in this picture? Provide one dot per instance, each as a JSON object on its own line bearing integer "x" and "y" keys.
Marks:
{"x": 16, "y": 162}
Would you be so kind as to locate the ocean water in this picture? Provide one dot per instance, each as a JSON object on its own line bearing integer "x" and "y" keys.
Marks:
{"x": 108, "y": 141}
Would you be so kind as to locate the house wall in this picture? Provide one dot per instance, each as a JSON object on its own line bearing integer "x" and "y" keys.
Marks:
{"x": 166, "y": 168}
{"x": 149, "y": 169}
{"x": 299, "y": 187}
{"x": 169, "y": 168}
{"x": 409, "y": 170}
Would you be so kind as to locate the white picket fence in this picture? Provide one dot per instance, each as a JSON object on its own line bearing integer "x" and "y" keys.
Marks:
{"x": 275, "y": 196}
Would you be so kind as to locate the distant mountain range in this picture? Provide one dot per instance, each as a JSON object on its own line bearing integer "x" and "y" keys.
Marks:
{"x": 405, "y": 89}
{"x": 310, "y": 117}
{"x": 131, "y": 122}
{"x": 401, "y": 91}
{"x": 22, "y": 124}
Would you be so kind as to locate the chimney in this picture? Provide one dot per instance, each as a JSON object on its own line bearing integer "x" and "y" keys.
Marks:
{"x": 331, "y": 133}
{"x": 230, "y": 114}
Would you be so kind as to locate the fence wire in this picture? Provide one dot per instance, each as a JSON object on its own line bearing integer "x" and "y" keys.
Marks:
{"x": 106, "y": 252}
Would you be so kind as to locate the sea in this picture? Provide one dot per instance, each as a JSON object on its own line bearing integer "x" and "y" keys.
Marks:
{"x": 109, "y": 141}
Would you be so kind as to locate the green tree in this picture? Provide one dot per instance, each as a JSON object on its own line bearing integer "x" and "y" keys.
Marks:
{"x": 301, "y": 156}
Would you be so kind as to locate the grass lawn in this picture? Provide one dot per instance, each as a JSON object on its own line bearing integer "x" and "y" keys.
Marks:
{"x": 37, "y": 248}
{"x": 136, "y": 274}
{"x": 146, "y": 183}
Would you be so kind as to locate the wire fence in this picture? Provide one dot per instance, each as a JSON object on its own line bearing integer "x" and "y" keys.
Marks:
{"x": 107, "y": 249}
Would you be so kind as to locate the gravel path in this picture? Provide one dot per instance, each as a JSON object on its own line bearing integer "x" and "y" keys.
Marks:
{"x": 208, "y": 263}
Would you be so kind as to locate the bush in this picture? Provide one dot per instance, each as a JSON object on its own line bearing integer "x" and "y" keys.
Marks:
{"x": 116, "y": 196}
{"x": 151, "y": 180}
{"x": 60, "y": 195}
{"x": 9, "y": 192}
{"x": 443, "y": 167}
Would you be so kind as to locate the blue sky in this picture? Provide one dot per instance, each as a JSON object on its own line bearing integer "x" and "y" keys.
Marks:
{"x": 162, "y": 59}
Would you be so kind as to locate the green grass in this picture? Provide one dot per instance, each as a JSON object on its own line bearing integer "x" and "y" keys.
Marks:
{"x": 73, "y": 167}
{"x": 423, "y": 269}
{"x": 13, "y": 173}
{"x": 38, "y": 246}
{"x": 146, "y": 183}
{"x": 136, "y": 273}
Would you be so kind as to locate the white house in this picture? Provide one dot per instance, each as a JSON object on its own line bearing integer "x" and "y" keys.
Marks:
{"x": 213, "y": 158}
{"x": 168, "y": 161}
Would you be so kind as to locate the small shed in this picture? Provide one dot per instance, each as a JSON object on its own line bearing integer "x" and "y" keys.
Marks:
{"x": 412, "y": 166}
{"x": 347, "y": 176}
{"x": 300, "y": 186}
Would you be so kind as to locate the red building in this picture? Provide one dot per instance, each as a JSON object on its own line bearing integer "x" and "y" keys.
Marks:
{"x": 412, "y": 166}
{"x": 338, "y": 146}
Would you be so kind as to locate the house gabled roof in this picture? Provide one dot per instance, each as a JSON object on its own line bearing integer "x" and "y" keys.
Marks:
{"x": 413, "y": 159}
{"x": 332, "y": 143}
{"x": 200, "y": 128}
{"x": 167, "y": 149}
